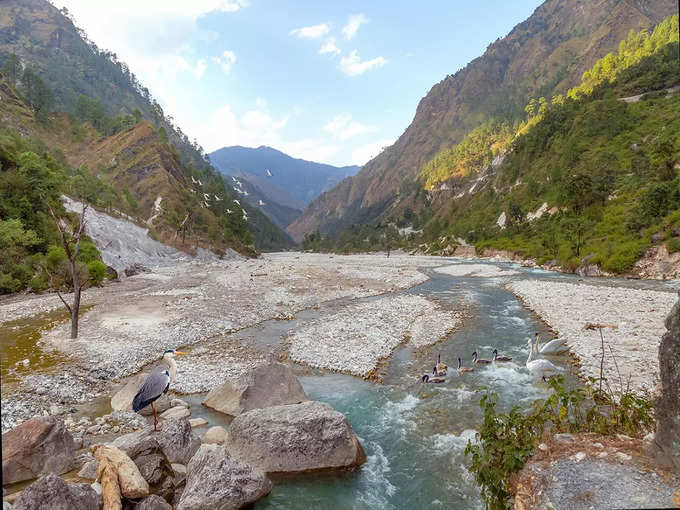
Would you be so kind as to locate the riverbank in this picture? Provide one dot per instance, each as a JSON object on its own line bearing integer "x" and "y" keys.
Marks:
{"x": 631, "y": 346}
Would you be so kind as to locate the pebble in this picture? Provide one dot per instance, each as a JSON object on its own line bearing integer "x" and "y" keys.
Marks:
{"x": 543, "y": 447}
{"x": 578, "y": 457}
{"x": 564, "y": 438}
{"x": 93, "y": 429}
{"x": 623, "y": 457}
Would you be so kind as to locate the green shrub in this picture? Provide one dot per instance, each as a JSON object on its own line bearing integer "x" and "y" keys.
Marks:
{"x": 38, "y": 284}
{"x": 673, "y": 245}
{"x": 97, "y": 271}
{"x": 9, "y": 284}
{"x": 507, "y": 440}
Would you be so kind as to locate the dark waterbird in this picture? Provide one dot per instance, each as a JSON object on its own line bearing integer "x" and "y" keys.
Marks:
{"x": 156, "y": 384}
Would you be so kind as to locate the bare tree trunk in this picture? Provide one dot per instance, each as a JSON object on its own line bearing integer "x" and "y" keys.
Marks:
{"x": 72, "y": 255}
{"x": 74, "y": 313}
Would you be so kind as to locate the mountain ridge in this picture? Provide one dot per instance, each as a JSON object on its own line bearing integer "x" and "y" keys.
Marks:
{"x": 545, "y": 54}
{"x": 302, "y": 179}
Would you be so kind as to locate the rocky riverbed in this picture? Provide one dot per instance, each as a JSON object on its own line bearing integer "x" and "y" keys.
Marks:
{"x": 631, "y": 344}
{"x": 355, "y": 338}
{"x": 194, "y": 305}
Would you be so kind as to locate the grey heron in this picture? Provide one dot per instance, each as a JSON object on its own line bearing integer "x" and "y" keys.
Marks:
{"x": 156, "y": 384}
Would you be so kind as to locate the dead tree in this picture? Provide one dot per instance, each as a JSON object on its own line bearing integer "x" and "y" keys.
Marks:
{"x": 80, "y": 282}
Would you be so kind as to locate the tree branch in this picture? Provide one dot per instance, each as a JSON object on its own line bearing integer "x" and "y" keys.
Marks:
{"x": 62, "y": 300}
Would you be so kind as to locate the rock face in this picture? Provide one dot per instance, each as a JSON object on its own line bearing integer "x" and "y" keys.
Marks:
{"x": 52, "y": 493}
{"x": 122, "y": 401}
{"x": 37, "y": 446}
{"x": 668, "y": 404}
{"x": 154, "y": 467}
{"x": 305, "y": 437}
{"x": 217, "y": 481}
{"x": 265, "y": 386}
{"x": 176, "y": 438}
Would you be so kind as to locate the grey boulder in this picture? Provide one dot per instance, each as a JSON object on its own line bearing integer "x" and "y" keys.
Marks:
{"x": 298, "y": 438}
{"x": 264, "y": 386}
{"x": 37, "y": 446}
{"x": 52, "y": 493}
{"x": 153, "y": 502}
{"x": 667, "y": 408}
{"x": 176, "y": 438}
{"x": 217, "y": 481}
{"x": 154, "y": 467}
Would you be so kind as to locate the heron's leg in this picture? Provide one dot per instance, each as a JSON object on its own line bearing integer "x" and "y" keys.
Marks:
{"x": 155, "y": 420}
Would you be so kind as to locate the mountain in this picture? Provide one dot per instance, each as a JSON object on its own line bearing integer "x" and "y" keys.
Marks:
{"x": 287, "y": 181}
{"x": 280, "y": 214}
{"x": 588, "y": 182}
{"x": 116, "y": 133}
{"x": 543, "y": 56}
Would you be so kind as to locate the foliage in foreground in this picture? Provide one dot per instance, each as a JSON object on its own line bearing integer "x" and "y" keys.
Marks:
{"x": 507, "y": 440}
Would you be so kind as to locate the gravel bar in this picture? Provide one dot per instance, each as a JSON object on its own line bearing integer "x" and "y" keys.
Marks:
{"x": 638, "y": 315}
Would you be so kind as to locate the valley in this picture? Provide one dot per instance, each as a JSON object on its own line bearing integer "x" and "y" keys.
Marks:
{"x": 232, "y": 316}
{"x": 318, "y": 309}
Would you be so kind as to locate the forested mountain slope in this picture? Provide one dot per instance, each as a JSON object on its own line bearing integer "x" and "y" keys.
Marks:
{"x": 543, "y": 56}
{"x": 588, "y": 180}
{"x": 54, "y": 68}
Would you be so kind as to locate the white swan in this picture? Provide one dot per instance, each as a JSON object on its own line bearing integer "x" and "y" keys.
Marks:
{"x": 540, "y": 367}
{"x": 556, "y": 346}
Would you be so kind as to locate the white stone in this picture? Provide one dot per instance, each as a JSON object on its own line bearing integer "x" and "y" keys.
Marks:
{"x": 198, "y": 422}
{"x": 175, "y": 413}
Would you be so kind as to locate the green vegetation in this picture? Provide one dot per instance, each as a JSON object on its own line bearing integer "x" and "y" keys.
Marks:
{"x": 632, "y": 50}
{"x": 605, "y": 168}
{"x": 507, "y": 440}
{"x": 361, "y": 238}
{"x": 98, "y": 92}
{"x": 475, "y": 152}
{"x": 31, "y": 256}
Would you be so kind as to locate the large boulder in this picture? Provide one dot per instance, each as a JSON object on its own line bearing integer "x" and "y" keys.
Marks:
{"x": 305, "y": 437}
{"x": 153, "y": 502}
{"x": 217, "y": 481}
{"x": 667, "y": 409}
{"x": 122, "y": 400}
{"x": 37, "y": 446}
{"x": 52, "y": 493}
{"x": 154, "y": 467}
{"x": 265, "y": 386}
{"x": 176, "y": 438}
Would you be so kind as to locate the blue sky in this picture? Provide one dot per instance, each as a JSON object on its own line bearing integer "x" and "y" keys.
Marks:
{"x": 329, "y": 81}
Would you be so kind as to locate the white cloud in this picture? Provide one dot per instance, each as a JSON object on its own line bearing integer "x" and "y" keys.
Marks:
{"x": 313, "y": 32}
{"x": 365, "y": 153}
{"x": 353, "y": 24}
{"x": 343, "y": 127}
{"x": 226, "y": 61}
{"x": 352, "y": 65}
{"x": 329, "y": 47}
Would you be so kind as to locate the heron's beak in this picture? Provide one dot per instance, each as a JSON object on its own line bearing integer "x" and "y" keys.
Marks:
{"x": 180, "y": 353}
